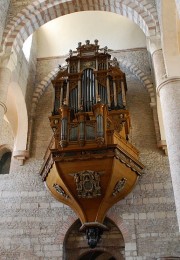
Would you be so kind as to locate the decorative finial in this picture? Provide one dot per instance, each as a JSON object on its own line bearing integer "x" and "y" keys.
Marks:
{"x": 98, "y": 98}
{"x": 79, "y": 44}
{"x": 105, "y": 49}
{"x": 70, "y": 52}
{"x": 81, "y": 107}
{"x": 96, "y": 42}
{"x": 87, "y": 42}
{"x": 65, "y": 102}
{"x": 115, "y": 62}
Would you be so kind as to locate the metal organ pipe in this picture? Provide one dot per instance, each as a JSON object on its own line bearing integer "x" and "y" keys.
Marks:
{"x": 81, "y": 120}
{"x": 61, "y": 95}
{"x": 79, "y": 93}
{"x": 96, "y": 82}
{"x": 79, "y": 87}
{"x": 64, "y": 125}
{"x": 115, "y": 94}
{"x": 67, "y": 93}
{"x": 123, "y": 93}
{"x": 108, "y": 92}
{"x": 79, "y": 66}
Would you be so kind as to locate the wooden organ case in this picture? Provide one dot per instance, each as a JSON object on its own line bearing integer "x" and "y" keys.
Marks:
{"x": 91, "y": 165}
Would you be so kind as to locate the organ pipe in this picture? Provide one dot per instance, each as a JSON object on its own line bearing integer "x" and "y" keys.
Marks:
{"x": 67, "y": 93}
{"x": 79, "y": 94}
{"x": 108, "y": 92}
{"x": 115, "y": 94}
{"x": 61, "y": 95}
{"x": 86, "y": 71}
{"x": 123, "y": 93}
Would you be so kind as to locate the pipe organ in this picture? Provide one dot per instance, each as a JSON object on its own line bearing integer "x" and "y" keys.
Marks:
{"x": 90, "y": 164}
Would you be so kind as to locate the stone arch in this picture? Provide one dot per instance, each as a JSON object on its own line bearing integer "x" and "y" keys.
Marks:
{"x": 4, "y": 148}
{"x": 112, "y": 242}
{"x": 5, "y": 158}
{"x": 41, "y": 12}
{"x": 65, "y": 227}
{"x": 143, "y": 78}
{"x": 148, "y": 85}
{"x": 119, "y": 222}
{"x": 40, "y": 89}
{"x": 18, "y": 118}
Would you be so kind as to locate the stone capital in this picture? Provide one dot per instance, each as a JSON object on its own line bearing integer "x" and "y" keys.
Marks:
{"x": 21, "y": 155}
{"x": 4, "y": 58}
{"x": 166, "y": 82}
{"x": 156, "y": 51}
{"x": 154, "y": 44}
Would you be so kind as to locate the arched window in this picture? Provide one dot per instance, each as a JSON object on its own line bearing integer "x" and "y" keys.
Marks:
{"x": 5, "y": 161}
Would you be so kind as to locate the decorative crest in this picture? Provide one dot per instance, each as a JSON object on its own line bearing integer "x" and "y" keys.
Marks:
{"x": 87, "y": 184}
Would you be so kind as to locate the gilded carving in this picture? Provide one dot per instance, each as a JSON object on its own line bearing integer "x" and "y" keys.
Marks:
{"x": 119, "y": 186}
{"x": 88, "y": 64}
{"x": 60, "y": 190}
{"x": 87, "y": 184}
{"x": 47, "y": 168}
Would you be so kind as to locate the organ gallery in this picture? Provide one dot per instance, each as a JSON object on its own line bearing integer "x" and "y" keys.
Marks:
{"x": 90, "y": 164}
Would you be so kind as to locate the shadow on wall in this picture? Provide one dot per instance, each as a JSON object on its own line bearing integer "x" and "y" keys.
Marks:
{"x": 5, "y": 161}
{"x": 110, "y": 247}
{"x": 97, "y": 255}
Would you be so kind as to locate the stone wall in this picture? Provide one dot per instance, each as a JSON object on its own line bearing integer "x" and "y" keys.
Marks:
{"x": 25, "y": 71}
{"x": 148, "y": 213}
{"x": 3, "y": 15}
{"x": 31, "y": 219}
{"x": 33, "y": 225}
{"x": 6, "y": 135}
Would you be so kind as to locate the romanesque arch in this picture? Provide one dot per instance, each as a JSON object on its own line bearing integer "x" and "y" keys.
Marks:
{"x": 41, "y": 12}
{"x": 75, "y": 243}
{"x": 5, "y": 158}
{"x": 18, "y": 118}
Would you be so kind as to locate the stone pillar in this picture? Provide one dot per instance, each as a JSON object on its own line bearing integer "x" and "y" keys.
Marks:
{"x": 160, "y": 75}
{"x": 169, "y": 92}
{"x": 5, "y": 74}
{"x": 158, "y": 66}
